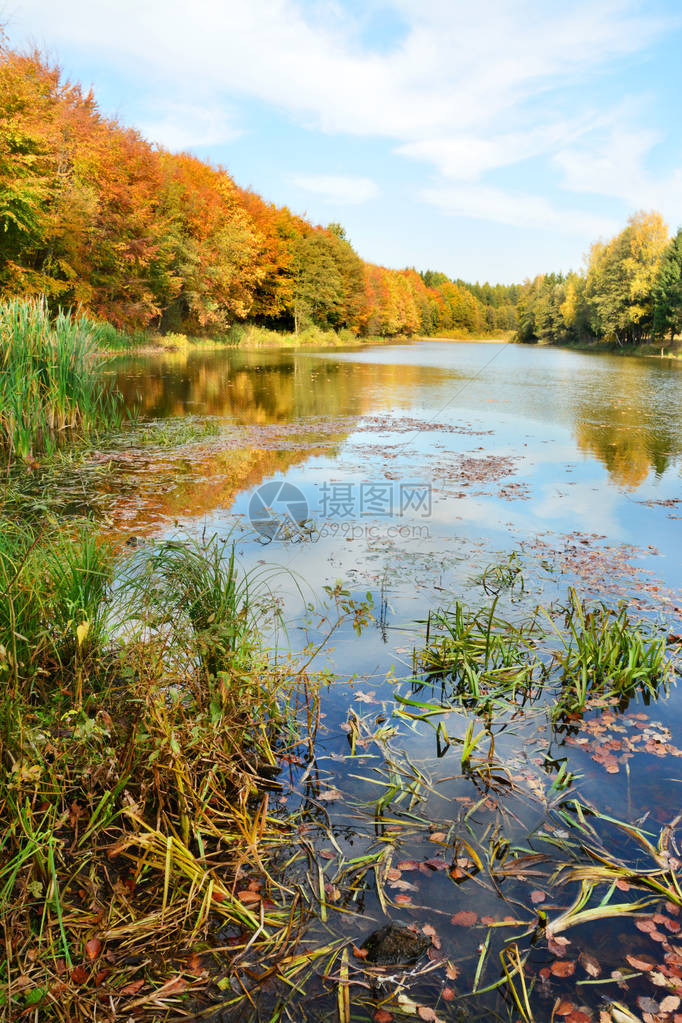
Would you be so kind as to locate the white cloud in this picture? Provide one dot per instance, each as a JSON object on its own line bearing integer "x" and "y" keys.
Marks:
{"x": 467, "y": 88}
{"x": 614, "y": 164}
{"x": 338, "y": 189}
{"x": 182, "y": 126}
{"x": 483, "y": 202}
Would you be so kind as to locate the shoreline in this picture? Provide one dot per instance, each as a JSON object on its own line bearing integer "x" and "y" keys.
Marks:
{"x": 287, "y": 342}
{"x": 645, "y": 351}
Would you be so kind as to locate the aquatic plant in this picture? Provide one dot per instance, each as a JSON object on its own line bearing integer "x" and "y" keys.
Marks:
{"x": 50, "y": 384}
{"x": 581, "y": 651}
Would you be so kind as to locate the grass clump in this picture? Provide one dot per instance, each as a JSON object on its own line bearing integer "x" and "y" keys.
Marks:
{"x": 50, "y": 386}
{"x": 573, "y": 654}
{"x": 142, "y": 722}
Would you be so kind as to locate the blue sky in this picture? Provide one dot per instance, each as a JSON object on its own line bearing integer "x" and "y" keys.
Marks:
{"x": 492, "y": 139}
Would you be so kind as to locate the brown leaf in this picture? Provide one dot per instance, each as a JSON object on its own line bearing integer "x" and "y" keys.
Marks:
{"x": 562, "y": 968}
{"x": 578, "y": 1017}
{"x": 93, "y": 948}
{"x": 132, "y": 988}
{"x": 248, "y": 897}
{"x": 402, "y": 900}
{"x": 589, "y": 964}
{"x": 425, "y": 1013}
{"x": 437, "y": 836}
{"x": 79, "y": 975}
{"x": 448, "y": 994}
{"x": 564, "y": 1007}
{"x": 408, "y": 865}
{"x": 360, "y": 953}
{"x": 465, "y": 918}
{"x": 670, "y": 1003}
{"x": 452, "y": 971}
{"x": 641, "y": 962}
{"x": 382, "y": 1016}
{"x": 537, "y": 897}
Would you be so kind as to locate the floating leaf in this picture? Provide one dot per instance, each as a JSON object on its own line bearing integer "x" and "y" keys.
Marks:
{"x": 465, "y": 918}
{"x": 641, "y": 962}
{"x": 562, "y": 968}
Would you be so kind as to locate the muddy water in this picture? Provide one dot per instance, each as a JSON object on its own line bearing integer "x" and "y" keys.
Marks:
{"x": 404, "y": 471}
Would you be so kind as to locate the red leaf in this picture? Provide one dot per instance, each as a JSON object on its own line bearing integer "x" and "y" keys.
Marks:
{"x": 382, "y": 1016}
{"x": 537, "y": 897}
{"x": 93, "y": 948}
{"x": 79, "y": 975}
{"x": 448, "y": 994}
{"x": 465, "y": 918}
{"x": 361, "y": 953}
{"x": 562, "y": 968}
{"x": 563, "y": 1008}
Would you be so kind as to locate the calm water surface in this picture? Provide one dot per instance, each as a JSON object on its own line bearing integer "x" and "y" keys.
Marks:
{"x": 421, "y": 464}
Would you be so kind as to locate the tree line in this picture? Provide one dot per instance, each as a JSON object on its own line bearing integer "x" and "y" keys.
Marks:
{"x": 93, "y": 216}
{"x": 630, "y": 291}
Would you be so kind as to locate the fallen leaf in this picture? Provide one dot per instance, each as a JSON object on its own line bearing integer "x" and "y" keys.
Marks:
{"x": 563, "y": 1008}
{"x": 465, "y": 918}
{"x": 537, "y": 896}
{"x": 79, "y": 975}
{"x": 360, "y": 953}
{"x": 132, "y": 988}
{"x": 448, "y": 994}
{"x": 670, "y": 1003}
{"x": 425, "y": 1013}
{"x": 248, "y": 897}
{"x": 382, "y": 1016}
{"x": 93, "y": 948}
{"x": 640, "y": 962}
{"x": 562, "y": 968}
{"x": 452, "y": 971}
{"x": 437, "y": 836}
{"x": 589, "y": 964}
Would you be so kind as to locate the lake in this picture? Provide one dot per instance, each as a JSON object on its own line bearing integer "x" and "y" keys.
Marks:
{"x": 416, "y": 475}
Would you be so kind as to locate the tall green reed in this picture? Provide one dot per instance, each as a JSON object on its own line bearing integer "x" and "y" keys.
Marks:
{"x": 50, "y": 384}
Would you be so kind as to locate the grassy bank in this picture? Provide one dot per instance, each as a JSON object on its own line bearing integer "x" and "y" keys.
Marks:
{"x": 650, "y": 350}
{"x": 50, "y": 386}
{"x": 141, "y": 723}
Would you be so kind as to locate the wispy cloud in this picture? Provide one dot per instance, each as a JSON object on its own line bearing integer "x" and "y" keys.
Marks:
{"x": 484, "y": 202}
{"x": 469, "y": 89}
{"x": 181, "y": 126}
{"x": 338, "y": 189}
